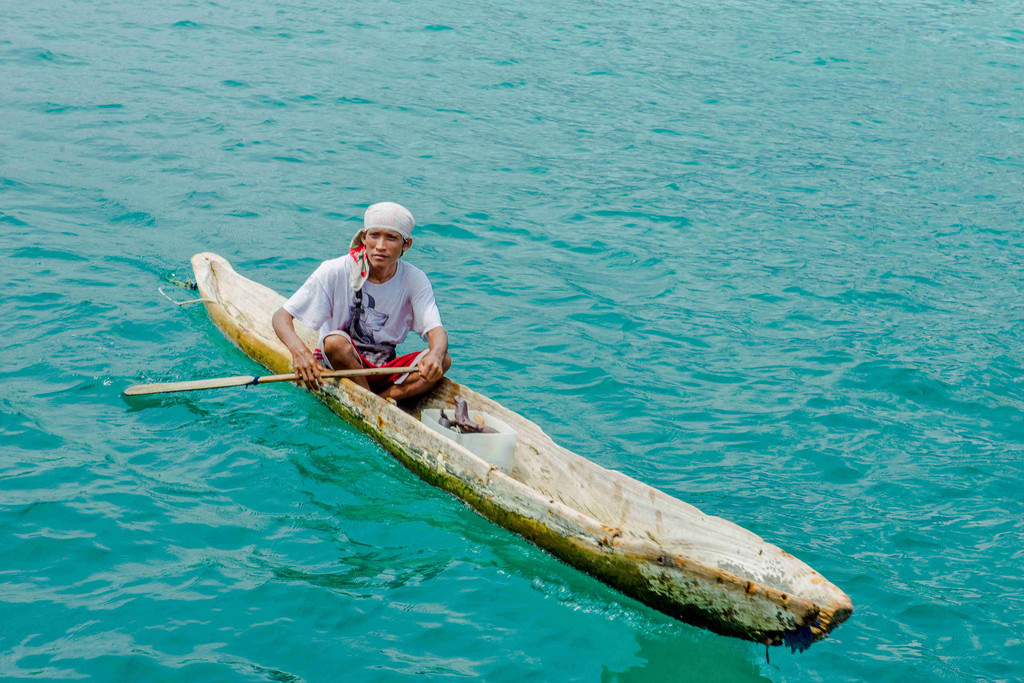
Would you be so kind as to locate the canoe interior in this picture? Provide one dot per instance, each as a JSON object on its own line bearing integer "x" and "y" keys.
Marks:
{"x": 656, "y": 548}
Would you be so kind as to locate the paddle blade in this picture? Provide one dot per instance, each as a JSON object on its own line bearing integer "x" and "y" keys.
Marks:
{"x": 168, "y": 387}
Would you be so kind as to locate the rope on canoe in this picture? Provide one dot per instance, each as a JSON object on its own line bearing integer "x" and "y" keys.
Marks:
{"x": 182, "y": 303}
{"x": 187, "y": 284}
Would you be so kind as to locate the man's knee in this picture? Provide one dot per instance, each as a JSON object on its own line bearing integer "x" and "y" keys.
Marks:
{"x": 446, "y": 363}
{"x": 340, "y": 352}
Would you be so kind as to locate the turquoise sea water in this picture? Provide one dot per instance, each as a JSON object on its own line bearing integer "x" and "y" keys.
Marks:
{"x": 764, "y": 256}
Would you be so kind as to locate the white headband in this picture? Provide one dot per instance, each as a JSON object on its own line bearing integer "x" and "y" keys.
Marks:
{"x": 389, "y": 216}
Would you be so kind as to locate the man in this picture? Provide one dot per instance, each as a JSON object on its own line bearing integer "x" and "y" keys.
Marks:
{"x": 364, "y": 304}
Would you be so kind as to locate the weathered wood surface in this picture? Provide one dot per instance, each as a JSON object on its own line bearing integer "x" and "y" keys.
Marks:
{"x": 698, "y": 568}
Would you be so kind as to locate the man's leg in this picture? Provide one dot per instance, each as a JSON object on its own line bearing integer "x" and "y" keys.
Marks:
{"x": 415, "y": 384}
{"x": 343, "y": 356}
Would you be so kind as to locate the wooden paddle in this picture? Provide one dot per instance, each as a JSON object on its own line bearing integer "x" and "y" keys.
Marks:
{"x": 242, "y": 380}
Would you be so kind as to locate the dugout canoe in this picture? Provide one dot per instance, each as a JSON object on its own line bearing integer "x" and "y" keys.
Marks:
{"x": 650, "y": 546}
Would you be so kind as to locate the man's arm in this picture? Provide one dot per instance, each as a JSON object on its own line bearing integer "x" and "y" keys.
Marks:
{"x": 305, "y": 365}
{"x": 430, "y": 365}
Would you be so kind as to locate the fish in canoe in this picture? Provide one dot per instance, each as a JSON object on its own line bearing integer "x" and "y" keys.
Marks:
{"x": 652, "y": 547}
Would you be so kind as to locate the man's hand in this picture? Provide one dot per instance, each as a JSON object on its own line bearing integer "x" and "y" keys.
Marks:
{"x": 307, "y": 368}
{"x": 305, "y": 365}
{"x": 430, "y": 366}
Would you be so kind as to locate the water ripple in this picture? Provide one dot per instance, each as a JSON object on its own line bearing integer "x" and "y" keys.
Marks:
{"x": 762, "y": 256}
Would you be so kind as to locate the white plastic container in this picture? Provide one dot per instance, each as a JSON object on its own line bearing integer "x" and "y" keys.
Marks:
{"x": 496, "y": 449}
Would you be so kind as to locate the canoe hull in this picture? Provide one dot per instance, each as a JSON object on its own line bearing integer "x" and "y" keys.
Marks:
{"x": 689, "y": 590}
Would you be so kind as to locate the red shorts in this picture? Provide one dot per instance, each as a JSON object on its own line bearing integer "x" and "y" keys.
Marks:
{"x": 378, "y": 383}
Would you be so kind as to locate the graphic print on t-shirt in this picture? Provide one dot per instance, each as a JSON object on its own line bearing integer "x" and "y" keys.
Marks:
{"x": 366, "y": 321}
{"x": 327, "y": 302}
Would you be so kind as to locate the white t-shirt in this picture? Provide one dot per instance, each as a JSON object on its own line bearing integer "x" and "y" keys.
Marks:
{"x": 326, "y": 302}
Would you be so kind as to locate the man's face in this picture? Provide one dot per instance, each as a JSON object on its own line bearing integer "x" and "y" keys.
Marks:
{"x": 383, "y": 247}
